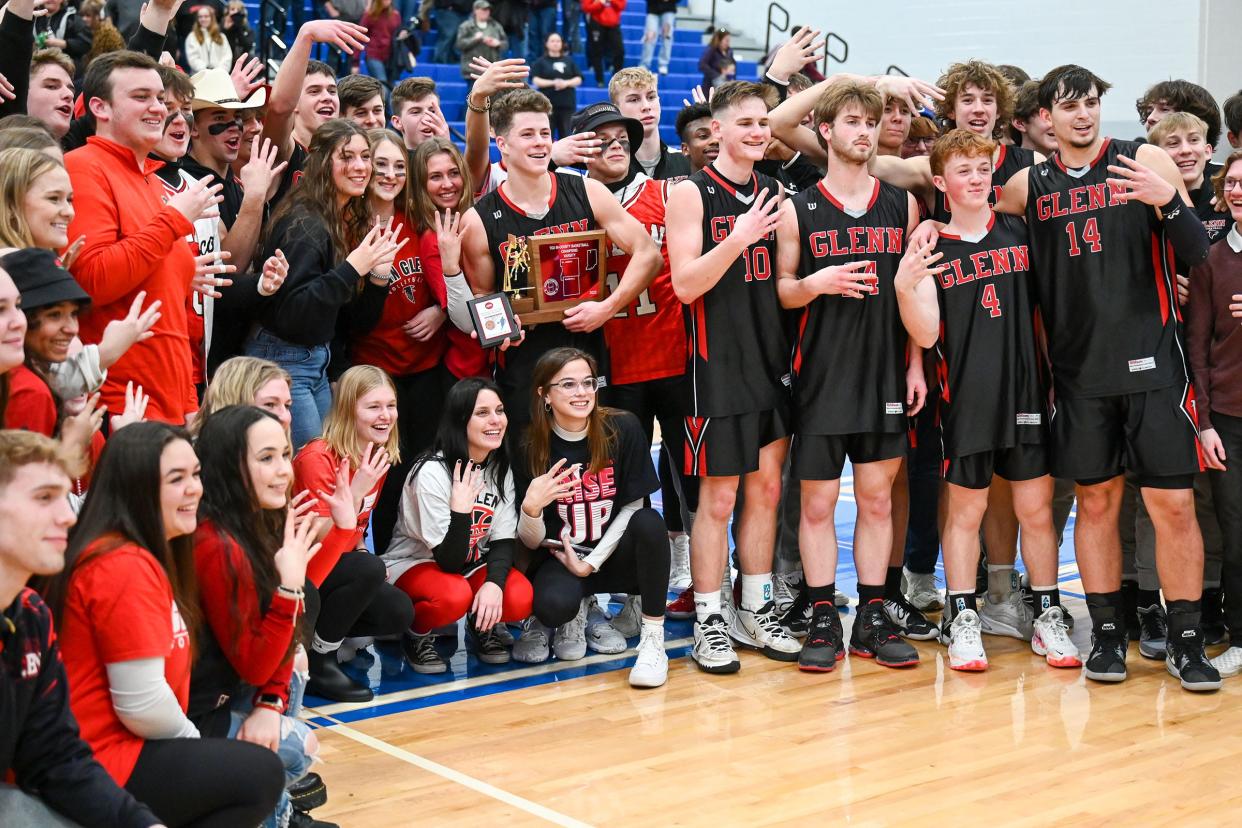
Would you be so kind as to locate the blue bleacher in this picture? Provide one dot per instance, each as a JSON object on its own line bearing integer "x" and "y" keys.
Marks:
{"x": 674, "y": 87}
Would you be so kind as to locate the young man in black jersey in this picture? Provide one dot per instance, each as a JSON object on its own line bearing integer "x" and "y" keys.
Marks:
{"x": 698, "y": 144}
{"x": 533, "y": 201}
{"x": 974, "y": 307}
{"x": 839, "y": 246}
{"x": 1106, "y": 218}
{"x": 721, "y": 241}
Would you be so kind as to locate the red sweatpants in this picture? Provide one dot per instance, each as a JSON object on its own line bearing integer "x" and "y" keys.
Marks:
{"x": 440, "y": 598}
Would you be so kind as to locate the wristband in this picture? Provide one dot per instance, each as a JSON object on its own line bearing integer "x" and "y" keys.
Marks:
{"x": 1170, "y": 210}
{"x": 271, "y": 701}
{"x": 482, "y": 110}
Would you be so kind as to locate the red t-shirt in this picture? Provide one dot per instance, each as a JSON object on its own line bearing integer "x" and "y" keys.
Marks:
{"x": 314, "y": 469}
{"x": 386, "y": 345}
{"x": 464, "y": 358}
{"x": 31, "y": 406}
{"x": 119, "y": 608}
{"x": 647, "y": 340}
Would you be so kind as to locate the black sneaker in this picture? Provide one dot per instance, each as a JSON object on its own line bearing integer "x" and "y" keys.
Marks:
{"x": 823, "y": 647}
{"x": 1212, "y": 619}
{"x": 1153, "y": 630}
{"x": 487, "y": 645}
{"x": 909, "y": 619}
{"x": 874, "y": 637}
{"x": 1187, "y": 661}
{"x": 797, "y": 619}
{"x": 1107, "y": 661}
{"x": 420, "y": 653}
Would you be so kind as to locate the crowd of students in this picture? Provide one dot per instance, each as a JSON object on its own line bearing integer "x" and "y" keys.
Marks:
{"x": 234, "y": 343}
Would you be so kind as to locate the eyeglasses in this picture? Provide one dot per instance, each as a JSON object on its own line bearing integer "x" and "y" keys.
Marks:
{"x": 623, "y": 143}
{"x": 1231, "y": 183}
{"x": 572, "y": 386}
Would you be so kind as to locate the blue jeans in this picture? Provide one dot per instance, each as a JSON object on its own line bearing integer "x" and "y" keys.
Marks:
{"x": 308, "y": 367}
{"x": 447, "y": 22}
{"x": 659, "y": 25}
{"x": 542, "y": 22}
{"x": 377, "y": 70}
{"x": 292, "y": 752}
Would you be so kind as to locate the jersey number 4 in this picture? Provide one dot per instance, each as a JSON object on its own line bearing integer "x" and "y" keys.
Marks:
{"x": 643, "y": 307}
{"x": 1090, "y": 237}
{"x": 990, "y": 301}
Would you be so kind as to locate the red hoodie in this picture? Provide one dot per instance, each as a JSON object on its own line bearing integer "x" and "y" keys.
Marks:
{"x": 606, "y": 14}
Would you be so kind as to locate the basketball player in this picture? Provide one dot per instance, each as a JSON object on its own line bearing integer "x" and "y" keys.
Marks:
{"x": 533, "y": 201}
{"x": 1106, "y": 218}
{"x": 839, "y": 246}
{"x": 722, "y": 246}
{"x": 976, "y": 310}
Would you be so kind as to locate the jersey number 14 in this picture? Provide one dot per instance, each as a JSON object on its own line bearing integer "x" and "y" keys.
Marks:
{"x": 1090, "y": 237}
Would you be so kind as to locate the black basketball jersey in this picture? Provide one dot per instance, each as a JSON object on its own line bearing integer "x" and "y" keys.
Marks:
{"x": 990, "y": 390}
{"x": 1011, "y": 160}
{"x": 737, "y": 356}
{"x": 849, "y": 360}
{"x": 569, "y": 211}
{"x": 1104, "y": 280}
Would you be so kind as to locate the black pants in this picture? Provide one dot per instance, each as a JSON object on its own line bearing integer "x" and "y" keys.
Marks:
{"x": 207, "y": 782}
{"x": 420, "y": 399}
{"x": 638, "y": 566}
{"x": 356, "y": 600}
{"x": 604, "y": 45}
{"x": 660, "y": 400}
{"x": 923, "y": 472}
{"x": 1227, "y": 494}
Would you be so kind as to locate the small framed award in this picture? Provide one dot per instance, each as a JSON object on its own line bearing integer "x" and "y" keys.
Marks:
{"x": 493, "y": 319}
{"x": 548, "y": 274}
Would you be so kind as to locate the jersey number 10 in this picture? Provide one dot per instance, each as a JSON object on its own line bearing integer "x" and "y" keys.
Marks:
{"x": 1090, "y": 237}
{"x": 758, "y": 263}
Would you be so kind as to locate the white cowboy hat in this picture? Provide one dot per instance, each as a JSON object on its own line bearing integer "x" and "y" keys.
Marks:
{"x": 214, "y": 88}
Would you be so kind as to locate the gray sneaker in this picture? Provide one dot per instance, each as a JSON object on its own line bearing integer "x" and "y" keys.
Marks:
{"x": 1011, "y": 617}
{"x": 601, "y": 634}
{"x": 569, "y": 643}
{"x": 531, "y": 646}
{"x": 629, "y": 620}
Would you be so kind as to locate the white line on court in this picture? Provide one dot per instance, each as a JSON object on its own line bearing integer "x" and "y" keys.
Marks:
{"x": 476, "y": 785}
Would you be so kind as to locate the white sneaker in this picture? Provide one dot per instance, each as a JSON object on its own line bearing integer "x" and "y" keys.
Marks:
{"x": 762, "y": 630}
{"x": 966, "y": 651}
{"x": 569, "y": 643}
{"x": 651, "y": 666}
{"x": 1011, "y": 617}
{"x": 601, "y": 635}
{"x": 712, "y": 650}
{"x": 1051, "y": 639}
{"x": 679, "y": 569}
{"x": 840, "y": 599}
{"x": 921, "y": 590}
{"x": 1228, "y": 663}
{"x": 531, "y": 646}
{"x": 629, "y": 620}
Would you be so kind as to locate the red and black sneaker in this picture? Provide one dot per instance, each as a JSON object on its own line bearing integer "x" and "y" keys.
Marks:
{"x": 823, "y": 646}
{"x": 682, "y": 606}
{"x": 875, "y": 637}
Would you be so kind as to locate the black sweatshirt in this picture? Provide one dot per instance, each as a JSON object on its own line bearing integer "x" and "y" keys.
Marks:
{"x": 16, "y": 48}
{"x": 305, "y": 309}
{"x": 39, "y": 739}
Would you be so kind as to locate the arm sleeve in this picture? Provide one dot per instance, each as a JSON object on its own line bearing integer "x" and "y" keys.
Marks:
{"x": 612, "y": 535}
{"x": 1185, "y": 231}
{"x": 16, "y": 49}
{"x": 530, "y": 530}
{"x": 451, "y": 553}
{"x": 500, "y": 561}
{"x": 52, "y": 762}
{"x": 459, "y": 294}
{"x": 146, "y": 41}
{"x": 1199, "y": 317}
{"x": 145, "y": 703}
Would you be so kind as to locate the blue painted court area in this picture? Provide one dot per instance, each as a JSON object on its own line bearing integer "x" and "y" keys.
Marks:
{"x": 399, "y": 689}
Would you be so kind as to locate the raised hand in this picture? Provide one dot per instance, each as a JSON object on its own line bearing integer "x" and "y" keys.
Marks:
{"x": 433, "y": 118}
{"x": 803, "y": 48}
{"x": 491, "y": 77}
{"x": 467, "y": 483}
{"x": 761, "y": 219}
{"x": 578, "y": 148}
{"x": 913, "y": 91}
{"x": 71, "y": 252}
{"x": 698, "y": 96}
{"x": 850, "y": 280}
{"x": 1139, "y": 182}
{"x": 917, "y": 265}
{"x": 372, "y": 466}
{"x": 275, "y": 271}
{"x": 122, "y": 334}
{"x": 296, "y": 550}
{"x": 348, "y": 37}
{"x": 135, "y": 407}
{"x": 263, "y": 167}
{"x": 449, "y": 232}
{"x": 555, "y": 483}
{"x": 246, "y": 74}
{"x": 207, "y": 270}
{"x": 377, "y": 250}
{"x": 198, "y": 200}
{"x": 76, "y": 431}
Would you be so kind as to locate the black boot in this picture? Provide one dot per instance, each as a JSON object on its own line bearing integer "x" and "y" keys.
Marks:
{"x": 308, "y": 793}
{"x": 328, "y": 680}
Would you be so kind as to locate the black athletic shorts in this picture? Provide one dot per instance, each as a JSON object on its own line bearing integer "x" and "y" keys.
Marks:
{"x": 822, "y": 456}
{"x": 729, "y": 446}
{"x": 1025, "y": 461}
{"x": 1152, "y": 434}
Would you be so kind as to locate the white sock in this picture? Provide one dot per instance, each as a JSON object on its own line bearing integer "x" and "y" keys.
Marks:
{"x": 1000, "y": 581}
{"x": 706, "y": 604}
{"x": 324, "y": 647}
{"x": 653, "y": 624}
{"x": 756, "y": 590}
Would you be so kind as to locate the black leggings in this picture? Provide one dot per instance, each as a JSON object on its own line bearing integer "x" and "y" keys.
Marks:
{"x": 1227, "y": 496}
{"x": 207, "y": 782}
{"x": 639, "y": 565}
{"x": 356, "y": 600}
